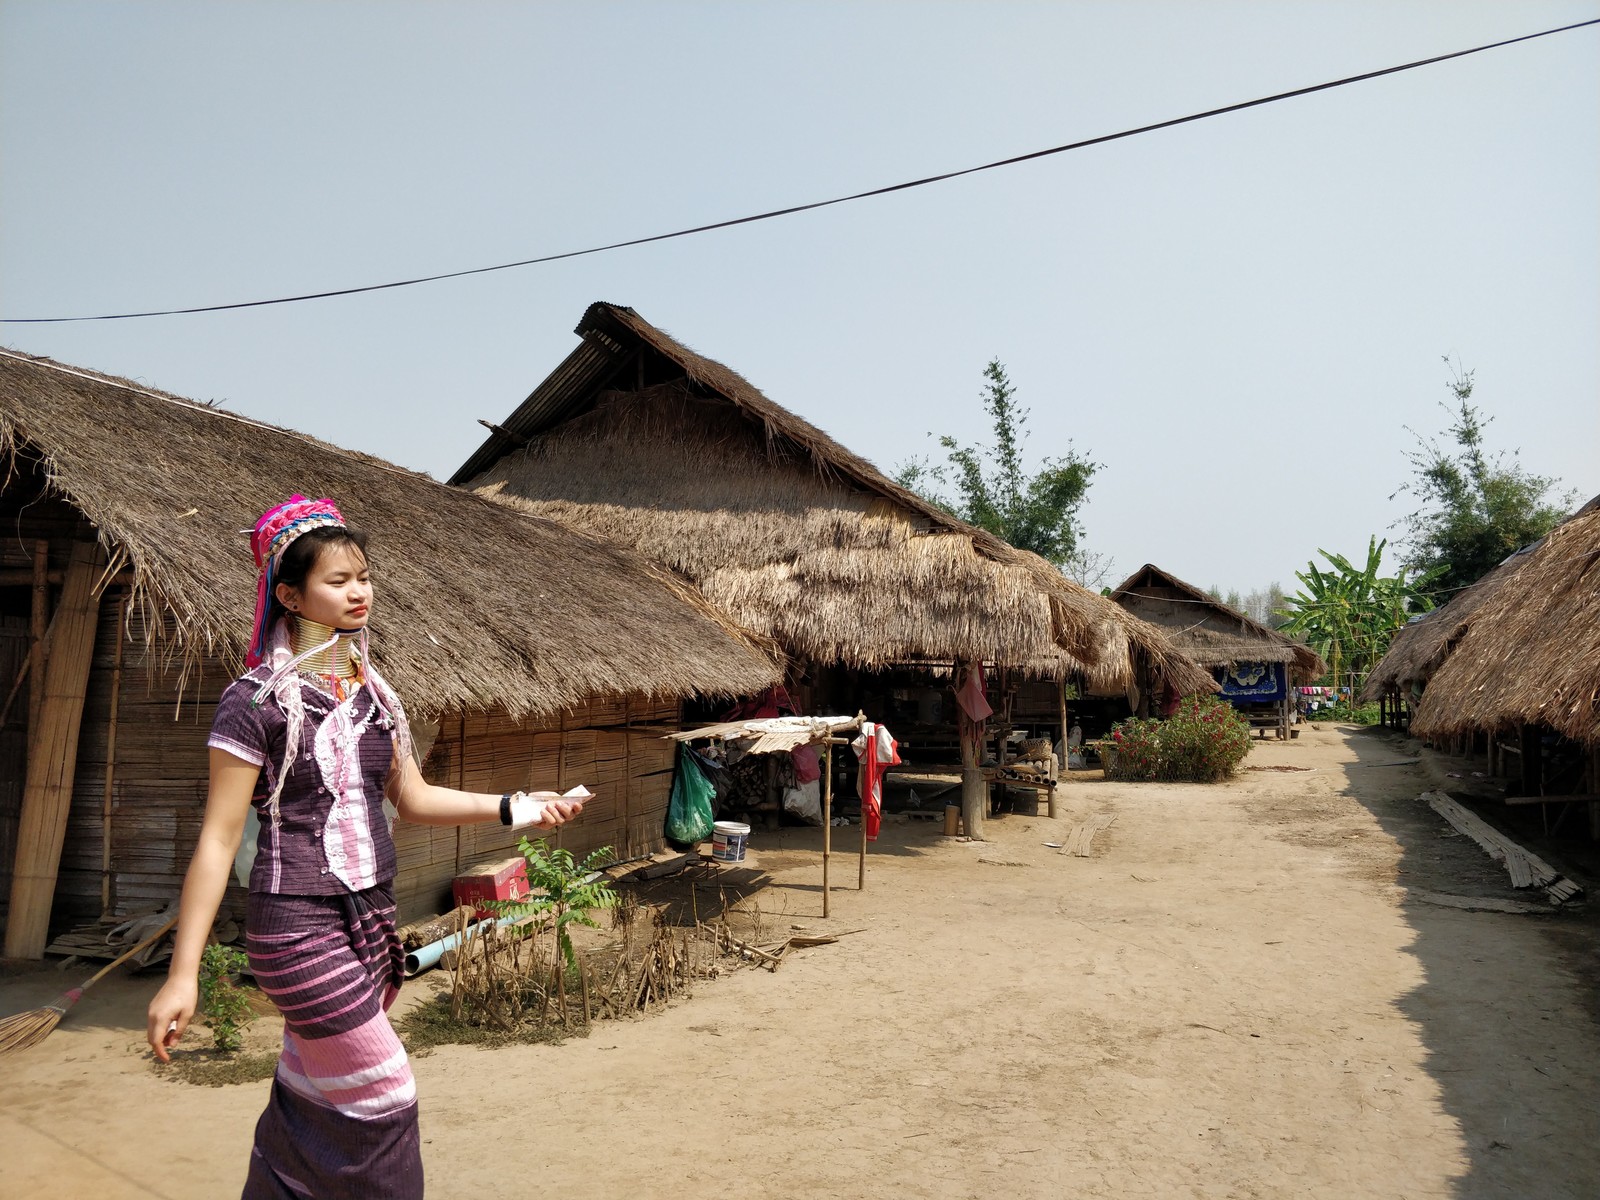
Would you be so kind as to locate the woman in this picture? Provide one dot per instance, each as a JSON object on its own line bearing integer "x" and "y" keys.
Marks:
{"x": 306, "y": 748}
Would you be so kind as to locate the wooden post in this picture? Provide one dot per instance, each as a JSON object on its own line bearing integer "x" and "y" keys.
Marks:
{"x": 52, "y": 758}
{"x": 1066, "y": 753}
{"x": 111, "y": 762}
{"x": 974, "y": 792}
{"x": 1594, "y": 788}
{"x": 861, "y": 874}
{"x": 627, "y": 781}
{"x": 827, "y": 820}
{"x": 1062, "y": 769}
{"x": 1532, "y": 766}
{"x": 38, "y": 625}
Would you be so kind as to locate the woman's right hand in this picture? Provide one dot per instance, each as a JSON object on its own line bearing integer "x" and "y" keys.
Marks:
{"x": 170, "y": 1013}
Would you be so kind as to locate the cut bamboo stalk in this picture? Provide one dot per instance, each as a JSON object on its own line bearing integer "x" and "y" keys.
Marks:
{"x": 974, "y": 789}
{"x": 827, "y": 820}
{"x": 861, "y": 875}
{"x": 106, "y": 801}
{"x": 52, "y": 758}
{"x": 1525, "y": 868}
{"x": 1064, "y": 756}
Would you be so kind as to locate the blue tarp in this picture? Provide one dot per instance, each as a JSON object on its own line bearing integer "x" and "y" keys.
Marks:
{"x": 1254, "y": 682}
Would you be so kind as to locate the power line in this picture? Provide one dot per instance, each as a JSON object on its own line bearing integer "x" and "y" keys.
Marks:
{"x": 816, "y": 204}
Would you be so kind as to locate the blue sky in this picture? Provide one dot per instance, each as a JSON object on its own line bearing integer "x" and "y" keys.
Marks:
{"x": 1238, "y": 318}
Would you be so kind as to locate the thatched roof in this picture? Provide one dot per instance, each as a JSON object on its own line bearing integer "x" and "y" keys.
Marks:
{"x": 1209, "y": 631}
{"x": 1414, "y": 652}
{"x": 1424, "y": 642}
{"x": 639, "y": 439}
{"x": 477, "y": 606}
{"x": 1526, "y": 651}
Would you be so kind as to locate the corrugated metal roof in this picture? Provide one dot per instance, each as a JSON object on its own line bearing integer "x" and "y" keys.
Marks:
{"x": 587, "y": 368}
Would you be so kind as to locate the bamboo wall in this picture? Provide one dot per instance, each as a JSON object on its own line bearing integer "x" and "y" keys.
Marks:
{"x": 157, "y": 782}
{"x": 29, "y": 516}
{"x": 135, "y": 816}
{"x": 158, "y": 786}
{"x": 628, "y": 770}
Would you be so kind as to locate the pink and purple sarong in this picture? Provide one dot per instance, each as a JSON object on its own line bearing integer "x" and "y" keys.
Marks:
{"x": 342, "y": 1118}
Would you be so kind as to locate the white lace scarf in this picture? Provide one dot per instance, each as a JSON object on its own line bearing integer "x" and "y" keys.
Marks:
{"x": 284, "y": 682}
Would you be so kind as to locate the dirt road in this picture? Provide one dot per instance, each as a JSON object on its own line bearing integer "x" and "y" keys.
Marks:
{"x": 1252, "y": 990}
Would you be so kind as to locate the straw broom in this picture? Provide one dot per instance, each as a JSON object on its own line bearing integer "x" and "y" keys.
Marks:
{"x": 26, "y": 1029}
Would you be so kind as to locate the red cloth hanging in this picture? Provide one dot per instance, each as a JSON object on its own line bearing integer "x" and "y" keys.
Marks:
{"x": 971, "y": 696}
{"x": 774, "y": 702}
{"x": 877, "y": 749}
{"x": 807, "y": 766}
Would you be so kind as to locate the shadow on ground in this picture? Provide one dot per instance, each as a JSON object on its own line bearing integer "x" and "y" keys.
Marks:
{"x": 1512, "y": 1036}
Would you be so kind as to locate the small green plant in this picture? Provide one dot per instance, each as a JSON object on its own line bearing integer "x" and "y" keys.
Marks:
{"x": 223, "y": 1002}
{"x": 563, "y": 889}
{"x": 1344, "y": 712}
{"x": 1203, "y": 742}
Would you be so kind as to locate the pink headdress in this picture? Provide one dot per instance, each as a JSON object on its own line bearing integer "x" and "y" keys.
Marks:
{"x": 274, "y": 533}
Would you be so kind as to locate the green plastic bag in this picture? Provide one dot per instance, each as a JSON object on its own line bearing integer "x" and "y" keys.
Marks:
{"x": 689, "y": 812}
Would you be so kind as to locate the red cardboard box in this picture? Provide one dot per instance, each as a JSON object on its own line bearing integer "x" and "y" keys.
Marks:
{"x": 497, "y": 879}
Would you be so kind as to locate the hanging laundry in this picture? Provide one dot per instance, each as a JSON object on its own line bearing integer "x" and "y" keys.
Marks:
{"x": 877, "y": 749}
{"x": 774, "y": 702}
{"x": 807, "y": 764}
{"x": 971, "y": 696}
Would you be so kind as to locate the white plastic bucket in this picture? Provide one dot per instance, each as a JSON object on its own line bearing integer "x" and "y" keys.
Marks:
{"x": 728, "y": 839}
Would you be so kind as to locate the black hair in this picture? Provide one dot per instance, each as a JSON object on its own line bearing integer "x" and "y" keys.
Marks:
{"x": 303, "y": 554}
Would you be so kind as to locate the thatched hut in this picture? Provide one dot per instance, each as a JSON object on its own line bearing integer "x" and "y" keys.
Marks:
{"x": 530, "y": 654}
{"x": 1521, "y": 658}
{"x": 1257, "y": 667}
{"x": 638, "y": 439}
{"x": 1398, "y": 680}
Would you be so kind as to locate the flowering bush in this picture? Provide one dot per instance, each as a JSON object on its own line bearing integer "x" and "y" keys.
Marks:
{"x": 1203, "y": 742}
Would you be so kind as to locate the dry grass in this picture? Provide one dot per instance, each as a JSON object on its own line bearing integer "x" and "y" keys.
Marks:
{"x": 218, "y": 1068}
{"x": 1528, "y": 653}
{"x": 829, "y": 571}
{"x": 478, "y": 606}
{"x": 510, "y": 985}
{"x": 1420, "y": 649}
{"x": 1209, "y": 631}
{"x": 794, "y": 536}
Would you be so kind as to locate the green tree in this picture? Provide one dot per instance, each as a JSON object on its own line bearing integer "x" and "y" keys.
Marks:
{"x": 1477, "y": 507}
{"x": 994, "y": 491}
{"x": 1350, "y": 614}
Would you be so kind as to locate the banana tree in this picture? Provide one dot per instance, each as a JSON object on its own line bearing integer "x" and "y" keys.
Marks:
{"x": 1350, "y": 614}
